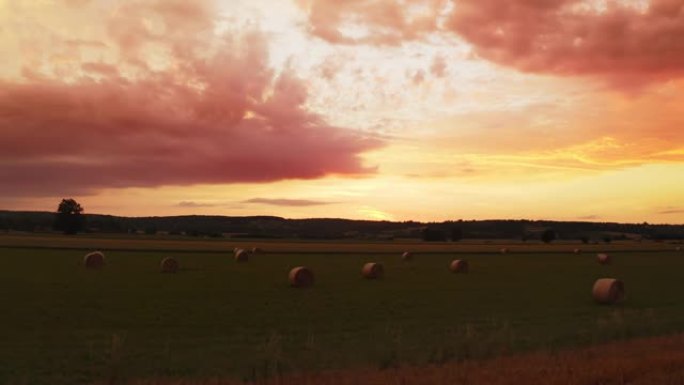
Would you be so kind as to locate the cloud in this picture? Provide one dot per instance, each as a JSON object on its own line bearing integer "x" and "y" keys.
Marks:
{"x": 196, "y": 204}
{"x": 288, "y": 202}
{"x": 438, "y": 68}
{"x": 371, "y": 22}
{"x": 627, "y": 43}
{"x": 673, "y": 210}
{"x": 622, "y": 42}
{"x": 588, "y": 217}
{"x": 207, "y": 109}
{"x": 600, "y": 132}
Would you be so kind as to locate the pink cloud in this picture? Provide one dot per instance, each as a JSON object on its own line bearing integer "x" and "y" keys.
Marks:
{"x": 215, "y": 114}
{"x": 288, "y": 202}
{"x": 192, "y": 204}
{"x": 371, "y": 22}
{"x": 622, "y": 43}
{"x": 438, "y": 68}
{"x": 418, "y": 77}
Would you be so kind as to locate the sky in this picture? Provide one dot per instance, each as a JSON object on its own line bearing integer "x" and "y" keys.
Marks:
{"x": 425, "y": 110}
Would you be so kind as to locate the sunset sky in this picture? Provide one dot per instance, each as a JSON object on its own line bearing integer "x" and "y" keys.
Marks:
{"x": 373, "y": 109}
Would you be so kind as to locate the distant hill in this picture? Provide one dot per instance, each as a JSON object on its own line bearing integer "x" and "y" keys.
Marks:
{"x": 331, "y": 228}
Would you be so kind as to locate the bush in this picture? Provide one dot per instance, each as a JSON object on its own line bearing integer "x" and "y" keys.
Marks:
{"x": 548, "y": 236}
{"x": 433, "y": 235}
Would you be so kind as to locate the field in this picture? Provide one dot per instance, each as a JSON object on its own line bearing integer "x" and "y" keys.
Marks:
{"x": 63, "y": 324}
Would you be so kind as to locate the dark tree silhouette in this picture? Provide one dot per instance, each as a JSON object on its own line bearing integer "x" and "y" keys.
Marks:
{"x": 69, "y": 217}
{"x": 433, "y": 235}
{"x": 456, "y": 234}
{"x": 548, "y": 236}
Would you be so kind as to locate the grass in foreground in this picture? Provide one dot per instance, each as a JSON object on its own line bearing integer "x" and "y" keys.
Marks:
{"x": 215, "y": 318}
{"x": 655, "y": 361}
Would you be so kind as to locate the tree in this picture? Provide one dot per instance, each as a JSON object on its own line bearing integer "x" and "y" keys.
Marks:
{"x": 548, "y": 236}
{"x": 433, "y": 235}
{"x": 69, "y": 217}
{"x": 456, "y": 234}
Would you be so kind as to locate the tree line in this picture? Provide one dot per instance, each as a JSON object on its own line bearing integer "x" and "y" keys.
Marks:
{"x": 70, "y": 218}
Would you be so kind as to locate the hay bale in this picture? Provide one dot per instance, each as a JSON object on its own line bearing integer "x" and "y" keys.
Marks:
{"x": 241, "y": 255}
{"x": 372, "y": 270}
{"x": 407, "y": 256}
{"x": 608, "y": 291}
{"x": 301, "y": 276}
{"x": 577, "y": 251}
{"x": 94, "y": 260}
{"x": 678, "y": 248}
{"x": 256, "y": 250}
{"x": 504, "y": 250}
{"x": 169, "y": 265}
{"x": 459, "y": 266}
{"x": 603, "y": 259}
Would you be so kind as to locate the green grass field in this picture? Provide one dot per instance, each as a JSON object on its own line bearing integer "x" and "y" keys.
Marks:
{"x": 62, "y": 324}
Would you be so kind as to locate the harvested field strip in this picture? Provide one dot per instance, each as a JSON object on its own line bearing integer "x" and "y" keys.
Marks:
{"x": 168, "y": 244}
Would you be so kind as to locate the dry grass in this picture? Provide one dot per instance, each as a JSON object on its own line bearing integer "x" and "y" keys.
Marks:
{"x": 169, "y": 265}
{"x": 459, "y": 266}
{"x": 301, "y": 276}
{"x": 654, "y": 361}
{"x": 608, "y": 291}
{"x": 94, "y": 260}
{"x": 603, "y": 259}
{"x": 241, "y": 255}
{"x": 372, "y": 270}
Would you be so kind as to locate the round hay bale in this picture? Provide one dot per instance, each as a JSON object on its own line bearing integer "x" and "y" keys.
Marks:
{"x": 603, "y": 259}
{"x": 407, "y": 256}
{"x": 301, "y": 276}
{"x": 372, "y": 270}
{"x": 169, "y": 265}
{"x": 608, "y": 291}
{"x": 94, "y": 260}
{"x": 459, "y": 266}
{"x": 577, "y": 251}
{"x": 678, "y": 248}
{"x": 241, "y": 255}
{"x": 504, "y": 250}
{"x": 257, "y": 250}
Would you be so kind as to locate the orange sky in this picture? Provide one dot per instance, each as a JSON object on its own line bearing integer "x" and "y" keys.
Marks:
{"x": 378, "y": 109}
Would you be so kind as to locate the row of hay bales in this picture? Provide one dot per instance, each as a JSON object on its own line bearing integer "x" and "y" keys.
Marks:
{"x": 96, "y": 260}
{"x": 242, "y": 255}
{"x": 605, "y": 290}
